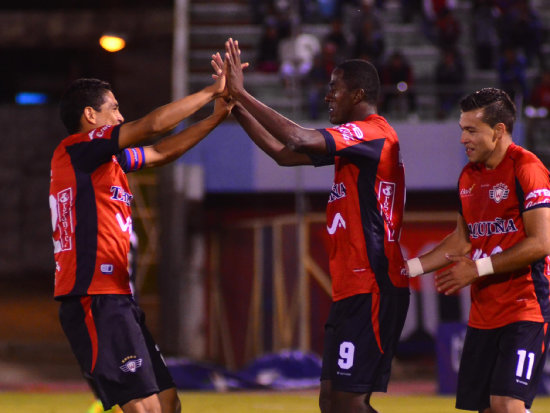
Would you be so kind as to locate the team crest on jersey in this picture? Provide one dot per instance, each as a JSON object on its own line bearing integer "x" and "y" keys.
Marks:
{"x": 499, "y": 192}
{"x": 130, "y": 364}
{"x": 338, "y": 191}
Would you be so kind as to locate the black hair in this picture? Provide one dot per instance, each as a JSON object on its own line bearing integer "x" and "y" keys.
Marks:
{"x": 80, "y": 94}
{"x": 496, "y": 104}
{"x": 360, "y": 74}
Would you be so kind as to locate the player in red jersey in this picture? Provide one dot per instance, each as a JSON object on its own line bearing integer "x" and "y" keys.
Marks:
{"x": 364, "y": 216}
{"x": 501, "y": 248}
{"x": 91, "y": 216}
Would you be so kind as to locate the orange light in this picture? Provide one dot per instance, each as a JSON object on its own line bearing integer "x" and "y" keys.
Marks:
{"x": 112, "y": 43}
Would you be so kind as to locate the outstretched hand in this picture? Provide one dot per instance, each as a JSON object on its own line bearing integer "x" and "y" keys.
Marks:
{"x": 463, "y": 273}
{"x": 235, "y": 83}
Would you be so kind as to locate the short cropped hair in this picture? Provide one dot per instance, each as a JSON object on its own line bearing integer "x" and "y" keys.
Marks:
{"x": 80, "y": 94}
{"x": 360, "y": 74}
{"x": 496, "y": 104}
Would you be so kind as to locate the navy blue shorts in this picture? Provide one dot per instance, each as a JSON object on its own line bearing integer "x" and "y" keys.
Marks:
{"x": 505, "y": 361}
{"x": 361, "y": 336}
{"x": 114, "y": 348}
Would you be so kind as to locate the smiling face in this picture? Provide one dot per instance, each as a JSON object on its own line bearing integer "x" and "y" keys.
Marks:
{"x": 340, "y": 99}
{"x": 108, "y": 113}
{"x": 483, "y": 143}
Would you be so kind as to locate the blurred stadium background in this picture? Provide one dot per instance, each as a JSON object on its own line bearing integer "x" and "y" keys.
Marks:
{"x": 231, "y": 263}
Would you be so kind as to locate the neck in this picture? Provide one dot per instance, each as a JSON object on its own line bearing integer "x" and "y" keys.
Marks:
{"x": 498, "y": 154}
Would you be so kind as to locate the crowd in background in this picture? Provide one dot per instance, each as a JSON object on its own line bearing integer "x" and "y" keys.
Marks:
{"x": 505, "y": 36}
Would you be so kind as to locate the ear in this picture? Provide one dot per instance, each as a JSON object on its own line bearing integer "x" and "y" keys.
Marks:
{"x": 499, "y": 130}
{"x": 89, "y": 115}
{"x": 358, "y": 95}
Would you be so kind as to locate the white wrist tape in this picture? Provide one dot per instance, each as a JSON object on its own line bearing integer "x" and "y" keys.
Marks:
{"x": 415, "y": 267}
{"x": 484, "y": 266}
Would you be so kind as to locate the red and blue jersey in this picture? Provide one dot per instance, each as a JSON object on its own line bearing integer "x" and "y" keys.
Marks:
{"x": 90, "y": 204}
{"x": 365, "y": 208}
{"x": 492, "y": 204}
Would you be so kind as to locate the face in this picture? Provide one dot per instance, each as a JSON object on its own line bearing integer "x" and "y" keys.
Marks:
{"x": 109, "y": 113}
{"x": 339, "y": 99}
{"x": 479, "y": 139}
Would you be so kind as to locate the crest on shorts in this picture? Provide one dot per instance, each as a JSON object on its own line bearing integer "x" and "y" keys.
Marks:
{"x": 499, "y": 192}
{"x": 130, "y": 364}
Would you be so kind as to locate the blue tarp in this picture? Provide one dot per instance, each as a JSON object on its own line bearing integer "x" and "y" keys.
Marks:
{"x": 284, "y": 370}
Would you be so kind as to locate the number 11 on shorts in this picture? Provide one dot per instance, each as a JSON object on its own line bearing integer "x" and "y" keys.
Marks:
{"x": 520, "y": 369}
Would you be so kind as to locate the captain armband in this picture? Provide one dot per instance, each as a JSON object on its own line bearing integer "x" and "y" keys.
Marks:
{"x": 484, "y": 266}
{"x": 415, "y": 267}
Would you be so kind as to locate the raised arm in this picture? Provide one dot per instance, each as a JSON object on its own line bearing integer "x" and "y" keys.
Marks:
{"x": 167, "y": 117}
{"x": 266, "y": 142}
{"x": 172, "y": 147}
{"x": 292, "y": 135}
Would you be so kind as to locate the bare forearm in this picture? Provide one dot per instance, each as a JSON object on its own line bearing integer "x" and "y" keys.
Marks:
{"x": 172, "y": 147}
{"x": 164, "y": 118}
{"x": 266, "y": 142}
{"x": 292, "y": 135}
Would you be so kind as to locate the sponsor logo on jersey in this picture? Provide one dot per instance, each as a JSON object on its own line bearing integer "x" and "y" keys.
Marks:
{"x": 499, "y": 192}
{"x": 98, "y": 133}
{"x": 464, "y": 192}
{"x": 119, "y": 194}
{"x": 337, "y": 222}
{"x": 386, "y": 198}
{"x": 537, "y": 197}
{"x": 106, "y": 268}
{"x": 488, "y": 228}
{"x": 125, "y": 225}
{"x": 65, "y": 218}
{"x": 338, "y": 191}
{"x": 350, "y": 132}
{"x": 130, "y": 364}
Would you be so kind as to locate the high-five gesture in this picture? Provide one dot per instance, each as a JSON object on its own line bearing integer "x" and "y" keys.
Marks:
{"x": 235, "y": 83}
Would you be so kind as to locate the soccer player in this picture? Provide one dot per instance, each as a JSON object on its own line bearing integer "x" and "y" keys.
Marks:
{"x": 91, "y": 216}
{"x": 364, "y": 216}
{"x": 500, "y": 247}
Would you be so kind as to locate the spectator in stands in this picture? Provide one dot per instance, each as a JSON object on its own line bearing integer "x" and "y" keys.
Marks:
{"x": 369, "y": 44}
{"x": 365, "y": 12}
{"x": 397, "y": 81}
{"x": 540, "y": 96}
{"x": 448, "y": 29}
{"x": 340, "y": 38}
{"x": 267, "y": 59}
{"x": 409, "y": 8}
{"x": 431, "y": 11}
{"x": 512, "y": 68}
{"x": 296, "y": 55}
{"x": 521, "y": 26}
{"x": 485, "y": 37}
{"x": 449, "y": 78}
{"x": 318, "y": 77}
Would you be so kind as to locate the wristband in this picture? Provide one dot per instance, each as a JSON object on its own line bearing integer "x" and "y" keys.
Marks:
{"x": 415, "y": 267}
{"x": 484, "y": 266}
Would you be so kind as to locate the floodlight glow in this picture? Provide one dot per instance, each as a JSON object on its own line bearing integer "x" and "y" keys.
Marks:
{"x": 112, "y": 43}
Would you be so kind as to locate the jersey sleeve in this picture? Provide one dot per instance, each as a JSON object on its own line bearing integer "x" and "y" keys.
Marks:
{"x": 353, "y": 140}
{"x": 131, "y": 159}
{"x": 534, "y": 181}
{"x": 98, "y": 148}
